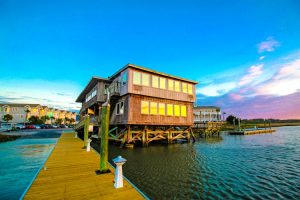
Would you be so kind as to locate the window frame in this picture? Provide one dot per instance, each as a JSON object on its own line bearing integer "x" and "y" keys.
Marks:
{"x": 147, "y": 106}
{"x": 150, "y": 108}
{"x": 133, "y": 78}
{"x": 152, "y": 78}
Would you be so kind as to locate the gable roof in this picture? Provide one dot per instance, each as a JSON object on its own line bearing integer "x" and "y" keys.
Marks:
{"x": 94, "y": 80}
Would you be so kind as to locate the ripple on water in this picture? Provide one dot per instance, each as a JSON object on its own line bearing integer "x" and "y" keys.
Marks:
{"x": 234, "y": 167}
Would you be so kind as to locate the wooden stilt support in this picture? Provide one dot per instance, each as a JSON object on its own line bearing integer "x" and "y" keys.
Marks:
{"x": 144, "y": 141}
{"x": 170, "y": 136}
{"x": 86, "y": 130}
{"x": 104, "y": 139}
{"x": 188, "y": 135}
{"x": 129, "y": 134}
{"x": 192, "y": 134}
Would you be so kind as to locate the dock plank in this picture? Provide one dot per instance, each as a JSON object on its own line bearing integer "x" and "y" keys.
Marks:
{"x": 69, "y": 173}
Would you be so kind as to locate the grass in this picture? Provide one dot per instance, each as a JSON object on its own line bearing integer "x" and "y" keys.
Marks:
{"x": 6, "y": 138}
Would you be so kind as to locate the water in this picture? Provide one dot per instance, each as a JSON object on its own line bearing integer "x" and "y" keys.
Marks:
{"x": 265, "y": 166}
{"x": 21, "y": 159}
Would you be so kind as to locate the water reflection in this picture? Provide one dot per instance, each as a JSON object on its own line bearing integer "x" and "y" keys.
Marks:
{"x": 228, "y": 167}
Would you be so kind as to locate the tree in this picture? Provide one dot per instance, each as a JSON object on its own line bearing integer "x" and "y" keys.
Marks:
{"x": 67, "y": 120}
{"x": 59, "y": 121}
{"x": 45, "y": 118}
{"x": 51, "y": 119}
{"x": 26, "y": 116}
{"x": 35, "y": 120}
{"x": 231, "y": 118}
{"x": 72, "y": 121}
{"x": 7, "y": 117}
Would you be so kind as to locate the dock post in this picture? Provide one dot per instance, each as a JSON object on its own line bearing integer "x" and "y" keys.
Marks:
{"x": 119, "y": 161}
{"x": 86, "y": 130}
{"x": 104, "y": 138}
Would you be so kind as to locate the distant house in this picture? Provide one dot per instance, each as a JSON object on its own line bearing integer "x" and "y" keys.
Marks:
{"x": 21, "y": 112}
{"x": 140, "y": 98}
{"x": 207, "y": 114}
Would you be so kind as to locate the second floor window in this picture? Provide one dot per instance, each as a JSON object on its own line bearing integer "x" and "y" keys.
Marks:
{"x": 137, "y": 78}
{"x": 120, "y": 108}
{"x": 155, "y": 82}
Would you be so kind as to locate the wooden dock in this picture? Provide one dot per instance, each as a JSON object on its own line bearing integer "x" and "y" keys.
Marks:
{"x": 69, "y": 173}
{"x": 251, "y": 132}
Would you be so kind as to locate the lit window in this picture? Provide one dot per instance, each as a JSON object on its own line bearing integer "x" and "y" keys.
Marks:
{"x": 170, "y": 109}
{"x": 170, "y": 84}
{"x": 183, "y": 111}
{"x": 190, "y": 88}
{"x": 176, "y": 110}
{"x": 184, "y": 88}
{"x": 162, "y": 83}
{"x": 153, "y": 108}
{"x": 155, "y": 81}
{"x": 137, "y": 78}
{"x": 145, "y": 107}
{"x": 145, "y": 79}
{"x": 161, "y": 109}
{"x": 177, "y": 86}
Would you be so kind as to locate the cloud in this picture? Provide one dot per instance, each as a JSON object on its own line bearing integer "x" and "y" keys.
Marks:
{"x": 262, "y": 57}
{"x": 268, "y": 45}
{"x": 253, "y": 72}
{"x": 216, "y": 89}
{"x": 57, "y": 94}
{"x": 286, "y": 81}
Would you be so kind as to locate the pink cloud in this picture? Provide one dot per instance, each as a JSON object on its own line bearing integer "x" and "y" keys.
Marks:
{"x": 253, "y": 72}
{"x": 268, "y": 45}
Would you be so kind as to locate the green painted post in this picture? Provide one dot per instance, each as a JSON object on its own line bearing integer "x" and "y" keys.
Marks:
{"x": 104, "y": 138}
{"x": 86, "y": 130}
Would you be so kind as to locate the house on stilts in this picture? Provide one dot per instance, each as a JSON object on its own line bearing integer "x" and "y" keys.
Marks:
{"x": 146, "y": 105}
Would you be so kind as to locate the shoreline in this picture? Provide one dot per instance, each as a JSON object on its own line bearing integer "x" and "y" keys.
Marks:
{"x": 7, "y": 138}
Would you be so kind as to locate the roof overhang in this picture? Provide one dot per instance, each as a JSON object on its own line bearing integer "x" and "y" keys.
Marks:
{"x": 94, "y": 80}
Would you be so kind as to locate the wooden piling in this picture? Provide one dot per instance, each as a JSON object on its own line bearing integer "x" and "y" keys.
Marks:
{"x": 104, "y": 139}
{"x": 86, "y": 130}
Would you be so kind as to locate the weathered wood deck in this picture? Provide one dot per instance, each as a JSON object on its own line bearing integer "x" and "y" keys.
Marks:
{"x": 69, "y": 173}
{"x": 251, "y": 132}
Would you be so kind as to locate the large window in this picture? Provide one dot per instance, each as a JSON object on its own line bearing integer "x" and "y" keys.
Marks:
{"x": 124, "y": 78}
{"x": 190, "y": 88}
{"x": 155, "y": 82}
{"x": 145, "y": 107}
{"x": 120, "y": 108}
{"x": 153, "y": 108}
{"x": 137, "y": 78}
{"x": 183, "y": 111}
{"x": 161, "y": 109}
{"x": 176, "y": 110}
{"x": 177, "y": 86}
{"x": 162, "y": 83}
{"x": 184, "y": 88}
{"x": 170, "y": 84}
{"x": 145, "y": 79}
{"x": 170, "y": 109}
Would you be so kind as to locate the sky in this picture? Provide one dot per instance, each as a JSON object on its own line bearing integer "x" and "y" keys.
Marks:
{"x": 244, "y": 54}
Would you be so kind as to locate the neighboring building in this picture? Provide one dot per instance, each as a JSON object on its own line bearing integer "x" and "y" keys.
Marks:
{"x": 207, "y": 114}
{"x": 21, "y": 112}
{"x": 140, "y": 97}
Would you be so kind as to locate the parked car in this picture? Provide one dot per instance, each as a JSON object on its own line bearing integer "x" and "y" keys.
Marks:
{"x": 54, "y": 126}
{"x": 30, "y": 126}
{"x": 20, "y": 126}
{"x": 5, "y": 127}
{"x": 37, "y": 126}
{"x": 62, "y": 126}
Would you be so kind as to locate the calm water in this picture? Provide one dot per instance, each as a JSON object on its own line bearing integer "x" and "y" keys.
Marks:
{"x": 265, "y": 166}
{"x": 21, "y": 159}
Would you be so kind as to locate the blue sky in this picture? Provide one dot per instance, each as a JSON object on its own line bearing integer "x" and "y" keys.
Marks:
{"x": 237, "y": 50}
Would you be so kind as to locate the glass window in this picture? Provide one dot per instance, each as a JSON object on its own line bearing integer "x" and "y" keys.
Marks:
{"x": 183, "y": 111}
{"x": 137, "y": 78}
{"x": 162, "y": 83}
{"x": 120, "y": 108}
{"x": 161, "y": 109}
{"x": 124, "y": 78}
{"x": 153, "y": 108}
{"x": 145, "y": 79}
{"x": 177, "y": 86}
{"x": 170, "y": 109}
{"x": 184, "y": 88}
{"x": 155, "y": 81}
{"x": 190, "y": 88}
{"x": 170, "y": 84}
{"x": 176, "y": 110}
{"x": 145, "y": 107}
